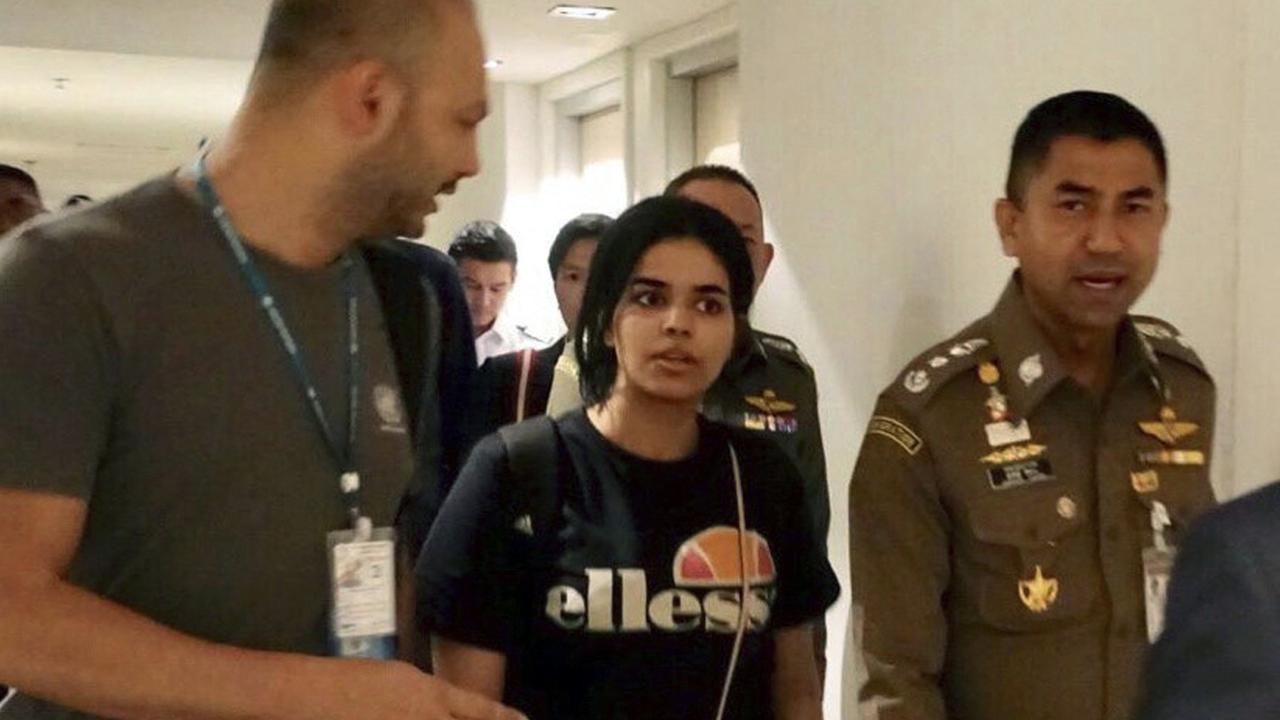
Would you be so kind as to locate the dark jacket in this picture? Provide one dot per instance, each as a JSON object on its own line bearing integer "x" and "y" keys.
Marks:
{"x": 430, "y": 332}
{"x": 496, "y": 392}
{"x": 1219, "y": 656}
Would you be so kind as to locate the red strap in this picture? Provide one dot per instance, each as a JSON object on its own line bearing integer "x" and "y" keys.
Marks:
{"x": 522, "y": 388}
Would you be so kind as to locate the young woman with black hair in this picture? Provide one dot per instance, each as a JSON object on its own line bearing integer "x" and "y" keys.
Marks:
{"x": 632, "y": 559}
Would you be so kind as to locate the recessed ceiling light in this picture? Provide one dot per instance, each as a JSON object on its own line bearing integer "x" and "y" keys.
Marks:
{"x": 582, "y": 12}
{"x": 492, "y": 64}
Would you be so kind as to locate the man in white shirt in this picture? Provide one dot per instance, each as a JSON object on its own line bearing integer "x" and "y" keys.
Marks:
{"x": 486, "y": 257}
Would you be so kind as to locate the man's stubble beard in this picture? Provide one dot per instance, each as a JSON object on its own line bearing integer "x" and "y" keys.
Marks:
{"x": 385, "y": 191}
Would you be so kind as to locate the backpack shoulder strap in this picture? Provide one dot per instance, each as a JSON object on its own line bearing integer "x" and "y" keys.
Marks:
{"x": 524, "y": 365}
{"x": 533, "y": 455}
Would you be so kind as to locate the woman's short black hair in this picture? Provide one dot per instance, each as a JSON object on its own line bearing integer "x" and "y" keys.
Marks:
{"x": 646, "y": 224}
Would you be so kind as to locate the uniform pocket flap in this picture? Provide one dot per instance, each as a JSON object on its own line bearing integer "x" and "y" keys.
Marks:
{"x": 1029, "y": 520}
{"x": 1185, "y": 493}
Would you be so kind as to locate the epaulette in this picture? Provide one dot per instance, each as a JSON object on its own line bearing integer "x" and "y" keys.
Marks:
{"x": 779, "y": 346}
{"x": 1165, "y": 339}
{"x": 530, "y": 337}
{"x": 933, "y": 369}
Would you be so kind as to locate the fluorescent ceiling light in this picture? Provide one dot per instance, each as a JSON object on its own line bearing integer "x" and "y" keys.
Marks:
{"x": 582, "y": 12}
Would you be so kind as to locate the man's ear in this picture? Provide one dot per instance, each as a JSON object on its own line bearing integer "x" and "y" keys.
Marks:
{"x": 1008, "y": 218}
{"x": 768, "y": 261}
{"x": 368, "y": 98}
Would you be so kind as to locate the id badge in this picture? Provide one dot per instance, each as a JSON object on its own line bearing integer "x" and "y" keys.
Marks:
{"x": 362, "y": 593}
{"x": 1157, "y": 564}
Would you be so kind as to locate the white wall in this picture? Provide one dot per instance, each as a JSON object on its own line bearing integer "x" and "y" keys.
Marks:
{"x": 1257, "y": 390}
{"x": 878, "y": 132}
{"x": 662, "y": 106}
{"x": 507, "y": 191}
{"x": 602, "y": 160}
{"x": 481, "y": 197}
{"x": 717, "y": 112}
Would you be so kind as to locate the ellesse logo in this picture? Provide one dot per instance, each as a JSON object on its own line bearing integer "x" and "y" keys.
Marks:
{"x": 712, "y": 558}
{"x": 708, "y": 562}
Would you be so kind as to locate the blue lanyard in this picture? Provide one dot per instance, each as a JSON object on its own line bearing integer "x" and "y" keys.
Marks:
{"x": 343, "y": 455}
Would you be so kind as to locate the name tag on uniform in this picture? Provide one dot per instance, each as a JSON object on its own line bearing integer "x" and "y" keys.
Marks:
{"x": 1020, "y": 474}
{"x": 1006, "y": 433}
{"x": 362, "y": 573}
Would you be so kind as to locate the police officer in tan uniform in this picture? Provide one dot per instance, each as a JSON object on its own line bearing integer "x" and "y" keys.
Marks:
{"x": 767, "y": 386}
{"x": 1023, "y": 485}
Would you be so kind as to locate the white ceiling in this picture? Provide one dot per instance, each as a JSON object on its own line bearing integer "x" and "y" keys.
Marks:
{"x": 149, "y": 78}
{"x": 533, "y": 45}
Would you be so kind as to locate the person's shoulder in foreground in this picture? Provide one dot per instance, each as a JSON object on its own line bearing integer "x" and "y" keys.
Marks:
{"x": 1219, "y": 656}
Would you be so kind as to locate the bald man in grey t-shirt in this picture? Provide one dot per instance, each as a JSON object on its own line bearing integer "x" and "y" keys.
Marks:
{"x": 141, "y": 377}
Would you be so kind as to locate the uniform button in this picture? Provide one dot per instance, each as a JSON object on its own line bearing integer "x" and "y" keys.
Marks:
{"x": 1067, "y": 508}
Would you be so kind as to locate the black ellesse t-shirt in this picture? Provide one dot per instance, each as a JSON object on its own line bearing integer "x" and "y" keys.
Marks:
{"x": 626, "y": 605}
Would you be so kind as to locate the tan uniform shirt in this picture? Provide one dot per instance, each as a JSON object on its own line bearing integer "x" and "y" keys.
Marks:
{"x": 997, "y": 567}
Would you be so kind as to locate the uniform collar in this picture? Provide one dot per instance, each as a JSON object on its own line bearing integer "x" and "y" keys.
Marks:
{"x": 1032, "y": 369}
{"x": 502, "y": 338}
{"x": 754, "y": 351}
{"x": 749, "y": 349}
{"x": 503, "y": 329}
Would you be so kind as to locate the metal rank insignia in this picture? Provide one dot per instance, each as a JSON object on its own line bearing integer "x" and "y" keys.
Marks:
{"x": 768, "y": 402}
{"x": 1171, "y": 457}
{"x": 1017, "y": 453}
{"x": 997, "y": 403}
{"x": 1067, "y": 508}
{"x": 1039, "y": 593}
{"x": 988, "y": 373}
{"x": 1168, "y": 429}
{"x": 776, "y": 415}
{"x": 1145, "y": 482}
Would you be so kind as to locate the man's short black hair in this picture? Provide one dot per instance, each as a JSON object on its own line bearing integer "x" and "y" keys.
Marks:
{"x": 20, "y": 176}
{"x": 722, "y": 173}
{"x": 483, "y": 240}
{"x": 584, "y": 227}
{"x": 1085, "y": 113}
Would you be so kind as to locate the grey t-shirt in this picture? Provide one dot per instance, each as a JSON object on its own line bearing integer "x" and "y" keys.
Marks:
{"x": 138, "y": 373}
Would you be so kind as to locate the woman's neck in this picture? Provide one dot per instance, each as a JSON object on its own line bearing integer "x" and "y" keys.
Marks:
{"x": 647, "y": 427}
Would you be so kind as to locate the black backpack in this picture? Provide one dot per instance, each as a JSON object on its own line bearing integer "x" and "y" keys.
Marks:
{"x": 533, "y": 466}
